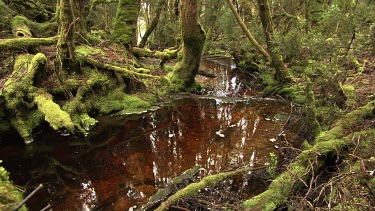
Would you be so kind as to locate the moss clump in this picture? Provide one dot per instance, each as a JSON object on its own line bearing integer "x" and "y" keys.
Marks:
{"x": 350, "y": 95}
{"x": 87, "y": 50}
{"x": 26, "y": 123}
{"x": 10, "y": 196}
{"x": 117, "y": 100}
{"x": 83, "y": 122}
{"x": 56, "y": 117}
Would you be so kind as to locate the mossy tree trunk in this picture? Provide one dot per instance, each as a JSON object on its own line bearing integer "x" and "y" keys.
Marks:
{"x": 249, "y": 35}
{"x": 65, "y": 43}
{"x": 153, "y": 24}
{"x": 80, "y": 14}
{"x": 125, "y": 24}
{"x": 266, "y": 19}
{"x": 193, "y": 38}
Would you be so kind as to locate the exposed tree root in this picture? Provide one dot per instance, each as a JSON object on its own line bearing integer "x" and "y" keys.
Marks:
{"x": 117, "y": 69}
{"x": 193, "y": 188}
{"x": 328, "y": 145}
{"x": 24, "y": 43}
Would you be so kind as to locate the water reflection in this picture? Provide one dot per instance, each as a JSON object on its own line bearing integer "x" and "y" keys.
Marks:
{"x": 126, "y": 159}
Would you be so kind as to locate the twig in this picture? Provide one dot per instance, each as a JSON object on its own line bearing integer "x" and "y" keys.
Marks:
{"x": 28, "y": 197}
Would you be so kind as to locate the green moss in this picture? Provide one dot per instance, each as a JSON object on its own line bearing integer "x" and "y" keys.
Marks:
{"x": 10, "y": 196}
{"x": 83, "y": 122}
{"x": 294, "y": 92}
{"x": 116, "y": 101}
{"x": 87, "y": 50}
{"x": 351, "y": 96}
{"x": 26, "y": 123}
{"x": 125, "y": 24}
{"x": 56, "y": 117}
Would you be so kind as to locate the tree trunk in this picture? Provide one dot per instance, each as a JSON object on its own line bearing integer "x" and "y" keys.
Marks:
{"x": 154, "y": 23}
{"x": 66, "y": 34}
{"x": 80, "y": 12}
{"x": 125, "y": 24}
{"x": 193, "y": 38}
{"x": 277, "y": 63}
{"x": 248, "y": 33}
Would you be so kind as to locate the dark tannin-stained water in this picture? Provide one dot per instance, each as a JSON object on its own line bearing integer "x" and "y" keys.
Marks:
{"x": 125, "y": 159}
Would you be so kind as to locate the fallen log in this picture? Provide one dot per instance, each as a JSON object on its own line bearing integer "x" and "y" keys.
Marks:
{"x": 170, "y": 188}
{"x": 119, "y": 70}
{"x": 20, "y": 28}
{"x": 328, "y": 145}
{"x": 24, "y": 43}
{"x": 208, "y": 181}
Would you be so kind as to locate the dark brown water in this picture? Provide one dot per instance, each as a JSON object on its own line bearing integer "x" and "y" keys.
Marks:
{"x": 126, "y": 159}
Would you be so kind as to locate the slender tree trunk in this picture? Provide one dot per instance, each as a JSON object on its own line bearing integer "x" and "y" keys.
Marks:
{"x": 153, "y": 24}
{"x": 277, "y": 63}
{"x": 248, "y": 33}
{"x": 80, "y": 12}
{"x": 125, "y": 24}
{"x": 193, "y": 38}
{"x": 66, "y": 33}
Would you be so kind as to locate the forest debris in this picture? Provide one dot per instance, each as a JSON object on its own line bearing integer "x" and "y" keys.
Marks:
{"x": 328, "y": 144}
{"x": 171, "y": 187}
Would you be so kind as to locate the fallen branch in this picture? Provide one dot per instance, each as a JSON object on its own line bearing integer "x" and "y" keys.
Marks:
{"x": 24, "y": 43}
{"x": 328, "y": 144}
{"x": 209, "y": 181}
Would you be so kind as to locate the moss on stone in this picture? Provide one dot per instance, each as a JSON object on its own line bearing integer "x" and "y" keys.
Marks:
{"x": 10, "y": 196}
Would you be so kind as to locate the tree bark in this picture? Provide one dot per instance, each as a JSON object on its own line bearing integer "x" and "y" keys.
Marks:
{"x": 66, "y": 33}
{"x": 248, "y": 33}
{"x": 193, "y": 38}
{"x": 277, "y": 63}
{"x": 153, "y": 24}
{"x": 125, "y": 24}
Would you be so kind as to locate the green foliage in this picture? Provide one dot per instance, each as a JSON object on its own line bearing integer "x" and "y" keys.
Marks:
{"x": 272, "y": 166}
{"x": 10, "y": 196}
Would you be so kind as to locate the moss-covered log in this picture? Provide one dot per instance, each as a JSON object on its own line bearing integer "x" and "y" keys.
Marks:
{"x": 57, "y": 118}
{"x": 24, "y": 43}
{"x": 194, "y": 188}
{"x": 119, "y": 70}
{"x": 164, "y": 55}
{"x": 20, "y": 28}
{"x": 329, "y": 145}
{"x": 18, "y": 92}
{"x": 171, "y": 187}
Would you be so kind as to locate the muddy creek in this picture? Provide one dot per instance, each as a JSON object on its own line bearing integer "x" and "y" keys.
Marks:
{"x": 125, "y": 159}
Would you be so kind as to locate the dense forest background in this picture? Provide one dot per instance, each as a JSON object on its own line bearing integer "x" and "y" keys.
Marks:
{"x": 64, "y": 62}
